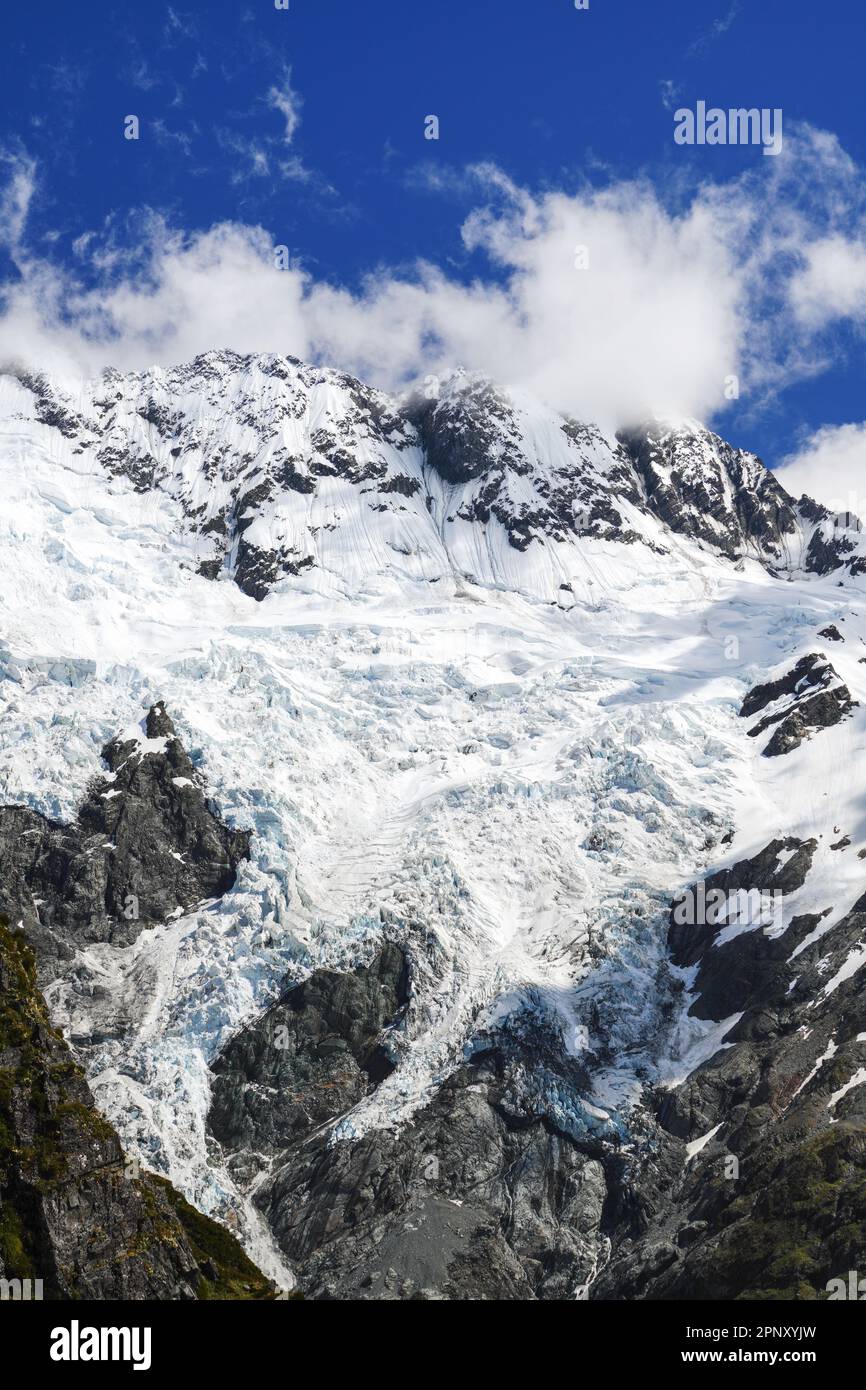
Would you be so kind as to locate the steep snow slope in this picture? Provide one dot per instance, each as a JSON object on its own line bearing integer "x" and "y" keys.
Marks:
{"x": 466, "y": 671}
{"x": 274, "y": 471}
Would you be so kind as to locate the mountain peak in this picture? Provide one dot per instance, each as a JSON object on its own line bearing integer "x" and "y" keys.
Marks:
{"x": 282, "y": 471}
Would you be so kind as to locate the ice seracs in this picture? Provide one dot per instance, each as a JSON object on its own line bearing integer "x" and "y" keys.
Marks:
{"x": 469, "y": 675}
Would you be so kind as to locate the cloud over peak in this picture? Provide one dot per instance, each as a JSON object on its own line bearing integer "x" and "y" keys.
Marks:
{"x": 607, "y": 303}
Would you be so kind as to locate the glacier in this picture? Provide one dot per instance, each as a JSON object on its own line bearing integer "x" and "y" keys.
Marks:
{"x": 462, "y": 725}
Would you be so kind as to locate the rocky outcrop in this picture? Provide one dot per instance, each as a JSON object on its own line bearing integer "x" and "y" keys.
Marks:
{"x": 748, "y": 1180}
{"x": 730, "y": 946}
{"x": 769, "y": 1200}
{"x": 75, "y": 1213}
{"x": 146, "y": 846}
{"x": 702, "y": 487}
{"x": 829, "y": 550}
{"x": 468, "y": 433}
{"x": 262, "y": 457}
{"x": 807, "y": 698}
{"x": 810, "y": 674}
{"x": 317, "y": 1052}
{"x": 818, "y": 712}
{"x": 476, "y": 441}
{"x": 495, "y": 1189}
{"x": 481, "y": 1196}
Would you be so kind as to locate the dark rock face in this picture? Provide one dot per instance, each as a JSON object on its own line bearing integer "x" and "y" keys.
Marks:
{"x": 480, "y": 1197}
{"x": 312, "y": 1056}
{"x": 811, "y": 673}
{"x": 74, "y": 1212}
{"x": 773, "y": 1202}
{"x": 484, "y": 1195}
{"x": 464, "y": 437}
{"x": 818, "y": 712}
{"x": 813, "y": 698}
{"x": 702, "y": 487}
{"x": 826, "y": 555}
{"x": 258, "y": 570}
{"x": 145, "y": 844}
{"x": 751, "y": 967}
{"x": 473, "y": 439}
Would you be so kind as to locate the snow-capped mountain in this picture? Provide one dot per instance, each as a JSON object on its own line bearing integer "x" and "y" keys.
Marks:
{"x": 404, "y": 725}
{"x": 278, "y": 470}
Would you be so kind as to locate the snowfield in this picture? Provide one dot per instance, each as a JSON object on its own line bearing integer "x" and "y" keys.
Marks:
{"x": 512, "y": 778}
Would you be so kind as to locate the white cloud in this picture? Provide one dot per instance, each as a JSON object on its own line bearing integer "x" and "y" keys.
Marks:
{"x": 831, "y": 467}
{"x": 719, "y": 27}
{"x": 671, "y": 304}
{"x": 179, "y": 25}
{"x": 16, "y": 197}
{"x": 140, "y": 75}
{"x": 283, "y": 98}
{"x": 653, "y": 322}
{"x": 251, "y": 158}
{"x": 832, "y": 282}
{"x": 670, "y": 93}
{"x": 179, "y": 139}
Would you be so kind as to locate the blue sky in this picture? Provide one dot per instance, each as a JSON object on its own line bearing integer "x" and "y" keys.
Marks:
{"x": 308, "y": 123}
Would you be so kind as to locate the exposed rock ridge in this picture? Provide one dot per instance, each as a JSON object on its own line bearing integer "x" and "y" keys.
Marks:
{"x": 146, "y": 846}
{"x": 75, "y": 1213}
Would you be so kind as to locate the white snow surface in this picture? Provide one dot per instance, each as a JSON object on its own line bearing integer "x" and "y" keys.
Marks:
{"x": 698, "y": 1145}
{"x": 513, "y": 781}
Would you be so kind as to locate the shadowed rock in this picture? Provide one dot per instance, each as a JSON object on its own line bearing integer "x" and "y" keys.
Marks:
{"x": 313, "y": 1055}
{"x": 74, "y": 1212}
{"x": 480, "y": 1196}
{"x": 146, "y": 846}
{"x": 812, "y": 701}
